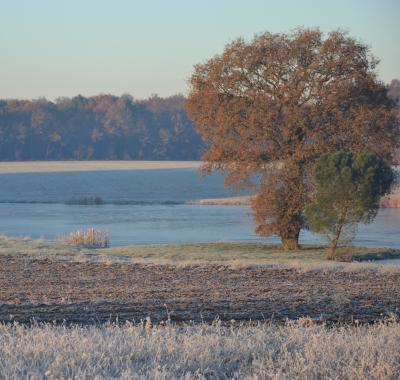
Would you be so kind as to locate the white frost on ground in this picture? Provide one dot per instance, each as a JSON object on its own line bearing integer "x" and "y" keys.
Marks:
{"x": 298, "y": 350}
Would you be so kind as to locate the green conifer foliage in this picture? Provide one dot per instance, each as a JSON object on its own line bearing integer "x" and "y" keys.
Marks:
{"x": 348, "y": 190}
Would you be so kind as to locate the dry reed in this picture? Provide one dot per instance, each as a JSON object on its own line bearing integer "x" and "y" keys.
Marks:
{"x": 90, "y": 238}
{"x": 391, "y": 201}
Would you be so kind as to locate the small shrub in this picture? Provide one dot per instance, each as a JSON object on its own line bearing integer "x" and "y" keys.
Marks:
{"x": 90, "y": 238}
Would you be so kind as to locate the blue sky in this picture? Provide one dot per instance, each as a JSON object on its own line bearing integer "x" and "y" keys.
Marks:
{"x": 55, "y": 48}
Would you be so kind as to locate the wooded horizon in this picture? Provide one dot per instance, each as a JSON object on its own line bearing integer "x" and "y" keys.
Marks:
{"x": 98, "y": 127}
{"x": 103, "y": 127}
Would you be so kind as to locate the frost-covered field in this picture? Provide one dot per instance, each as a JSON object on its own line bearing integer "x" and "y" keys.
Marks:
{"x": 68, "y": 166}
{"x": 297, "y": 350}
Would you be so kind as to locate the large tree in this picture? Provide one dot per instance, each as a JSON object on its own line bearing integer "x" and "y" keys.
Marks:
{"x": 270, "y": 107}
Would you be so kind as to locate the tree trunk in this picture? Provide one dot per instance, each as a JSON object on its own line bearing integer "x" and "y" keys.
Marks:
{"x": 290, "y": 244}
{"x": 330, "y": 255}
{"x": 334, "y": 242}
{"x": 331, "y": 250}
{"x": 290, "y": 240}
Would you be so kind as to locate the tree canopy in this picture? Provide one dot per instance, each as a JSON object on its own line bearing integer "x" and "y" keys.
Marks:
{"x": 270, "y": 107}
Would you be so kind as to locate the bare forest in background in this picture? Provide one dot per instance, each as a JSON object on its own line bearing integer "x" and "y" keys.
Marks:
{"x": 103, "y": 127}
{"x": 394, "y": 93}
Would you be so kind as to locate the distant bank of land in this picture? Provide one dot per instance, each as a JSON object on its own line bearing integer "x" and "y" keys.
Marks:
{"x": 390, "y": 201}
{"x": 229, "y": 201}
{"x": 73, "y": 166}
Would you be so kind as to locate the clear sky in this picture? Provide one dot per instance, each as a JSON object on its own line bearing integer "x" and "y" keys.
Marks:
{"x": 55, "y": 48}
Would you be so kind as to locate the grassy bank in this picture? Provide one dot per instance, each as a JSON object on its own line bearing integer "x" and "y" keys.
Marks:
{"x": 205, "y": 252}
{"x": 251, "y": 252}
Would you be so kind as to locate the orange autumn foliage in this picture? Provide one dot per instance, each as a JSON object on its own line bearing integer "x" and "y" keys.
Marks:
{"x": 270, "y": 107}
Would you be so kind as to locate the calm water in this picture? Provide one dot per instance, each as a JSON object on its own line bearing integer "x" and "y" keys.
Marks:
{"x": 144, "y": 207}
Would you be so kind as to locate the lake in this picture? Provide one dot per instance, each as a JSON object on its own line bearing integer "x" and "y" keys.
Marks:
{"x": 145, "y": 206}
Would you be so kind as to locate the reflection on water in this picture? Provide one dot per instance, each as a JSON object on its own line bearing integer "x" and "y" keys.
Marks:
{"x": 156, "y": 215}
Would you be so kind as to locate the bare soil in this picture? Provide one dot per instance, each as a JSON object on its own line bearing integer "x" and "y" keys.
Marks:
{"x": 48, "y": 289}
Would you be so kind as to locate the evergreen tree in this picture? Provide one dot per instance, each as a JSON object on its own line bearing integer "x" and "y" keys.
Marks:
{"x": 348, "y": 190}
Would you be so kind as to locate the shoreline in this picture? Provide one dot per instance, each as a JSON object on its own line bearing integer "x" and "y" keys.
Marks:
{"x": 389, "y": 201}
{"x": 83, "y": 166}
{"x": 392, "y": 200}
{"x": 242, "y": 200}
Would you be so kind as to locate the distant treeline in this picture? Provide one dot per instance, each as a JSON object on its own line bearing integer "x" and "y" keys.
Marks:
{"x": 394, "y": 93}
{"x": 394, "y": 90}
{"x": 102, "y": 127}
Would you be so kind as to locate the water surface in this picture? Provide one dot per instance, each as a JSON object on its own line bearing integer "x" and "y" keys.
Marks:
{"x": 143, "y": 207}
